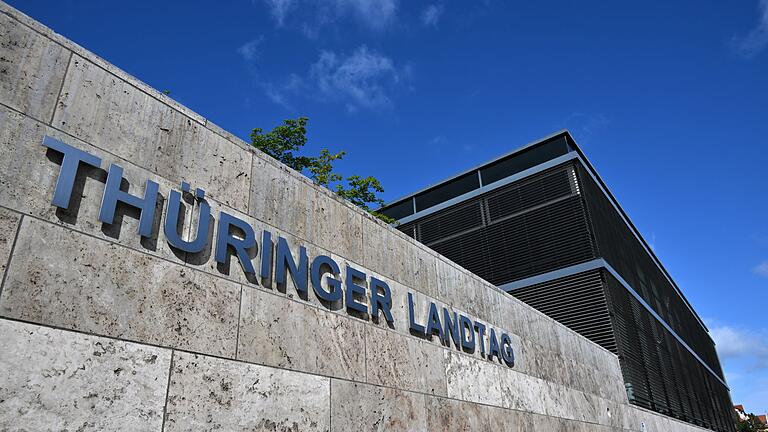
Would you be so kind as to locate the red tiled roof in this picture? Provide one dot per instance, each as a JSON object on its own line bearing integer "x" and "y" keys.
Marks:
{"x": 739, "y": 407}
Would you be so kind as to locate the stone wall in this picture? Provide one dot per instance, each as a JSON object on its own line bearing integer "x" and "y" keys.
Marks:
{"x": 102, "y": 329}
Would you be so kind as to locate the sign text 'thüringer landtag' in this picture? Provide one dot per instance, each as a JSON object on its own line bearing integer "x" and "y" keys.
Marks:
{"x": 236, "y": 237}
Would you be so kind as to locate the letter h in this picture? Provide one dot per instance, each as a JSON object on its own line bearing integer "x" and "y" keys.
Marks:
{"x": 113, "y": 195}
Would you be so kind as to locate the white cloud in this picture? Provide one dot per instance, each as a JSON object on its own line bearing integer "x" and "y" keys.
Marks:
{"x": 249, "y": 51}
{"x": 278, "y": 92}
{"x": 280, "y": 9}
{"x": 741, "y": 344}
{"x": 282, "y": 93}
{"x": 310, "y": 15}
{"x": 761, "y": 269}
{"x": 375, "y": 13}
{"x": 431, "y": 15}
{"x": 751, "y": 45}
{"x": 361, "y": 79}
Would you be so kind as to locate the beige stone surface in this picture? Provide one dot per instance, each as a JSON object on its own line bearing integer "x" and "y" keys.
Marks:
{"x": 115, "y": 116}
{"x": 279, "y": 332}
{"x": 9, "y": 224}
{"x": 60, "y": 380}
{"x": 448, "y": 414}
{"x": 360, "y": 407}
{"x": 281, "y": 197}
{"x": 403, "y": 362}
{"x": 473, "y": 380}
{"x": 62, "y": 278}
{"x": 31, "y": 69}
{"x": 210, "y": 394}
{"x": 506, "y": 420}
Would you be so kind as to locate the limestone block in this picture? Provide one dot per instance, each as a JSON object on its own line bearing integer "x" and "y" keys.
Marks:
{"x": 337, "y": 228}
{"x": 280, "y": 332}
{"x": 28, "y": 178}
{"x": 397, "y": 257}
{"x": 278, "y": 198}
{"x": 62, "y": 278}
{"x": 360, "y": 407}
{"x": 506, "y": 420}
{"x": 523, "y": 392}
{"x": 60, "y": 380}
{"x": 207, "y": 394}
{"x": 453, "y": 415}
{"x": 550, "y": 424}
{"x": 405, "y": 362}
{"x": 9, "y": 224}
{"x": 109, "y": 113}
{"x": 514, "y": 314}
{"x": 421, "y": 267}
{"x": 32, "y": 69}
{"x": 472, "y": 379}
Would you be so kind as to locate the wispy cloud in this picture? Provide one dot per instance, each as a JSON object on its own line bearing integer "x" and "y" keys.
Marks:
{"x": 310, "y": 15}
{"x": 361, "y": 79}
{"x": 756, "y": 41}
{"x": 431, "y": 15}
{"x": 279, "y": 92}
{"x": 282, "y": 93}
{"x": 249, "y": 51}
{"x": 585, "y": 126}
{"x": 742, "y": 344}
{"x": 280, "y": 9}
{"x": 761, "y": 269}
{"x": 437, "y": 139}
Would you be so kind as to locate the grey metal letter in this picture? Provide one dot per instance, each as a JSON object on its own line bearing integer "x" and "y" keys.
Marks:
{"x": 113, "y": 195}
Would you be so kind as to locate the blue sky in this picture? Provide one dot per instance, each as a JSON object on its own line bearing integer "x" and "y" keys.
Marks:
{"x": 668, "y": 99}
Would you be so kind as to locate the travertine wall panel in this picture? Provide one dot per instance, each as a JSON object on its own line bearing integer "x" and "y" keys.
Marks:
{"x": 235, "y": 351}
{"x": 107, "y": 289}
{"x": 210, "y": 394}
{"x": 31, "y": 69}
{"x": 9, "y": 224}
{"x": 58, "y": 380}
{"x": 361, "y": 407}
{"x": 287, "y": 334}
{"x": 403, "y": 362}
{"x": 453, "y": 415}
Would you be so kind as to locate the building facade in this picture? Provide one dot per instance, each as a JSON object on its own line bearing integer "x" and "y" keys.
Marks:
{"x": 540, "y": 224}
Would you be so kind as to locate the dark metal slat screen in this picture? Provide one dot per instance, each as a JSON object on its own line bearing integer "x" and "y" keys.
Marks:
{"x": 660, "y": 374}
{"x": 529, "y": 227}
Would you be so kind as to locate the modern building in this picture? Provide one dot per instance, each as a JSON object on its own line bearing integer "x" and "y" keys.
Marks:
{"x": 540, "y": 224}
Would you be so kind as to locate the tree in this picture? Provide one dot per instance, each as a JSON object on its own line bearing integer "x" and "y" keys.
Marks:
{"x": 285, "y": 143}
{"x": 282, "y": 141}
{"x": 321, "y": 168}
